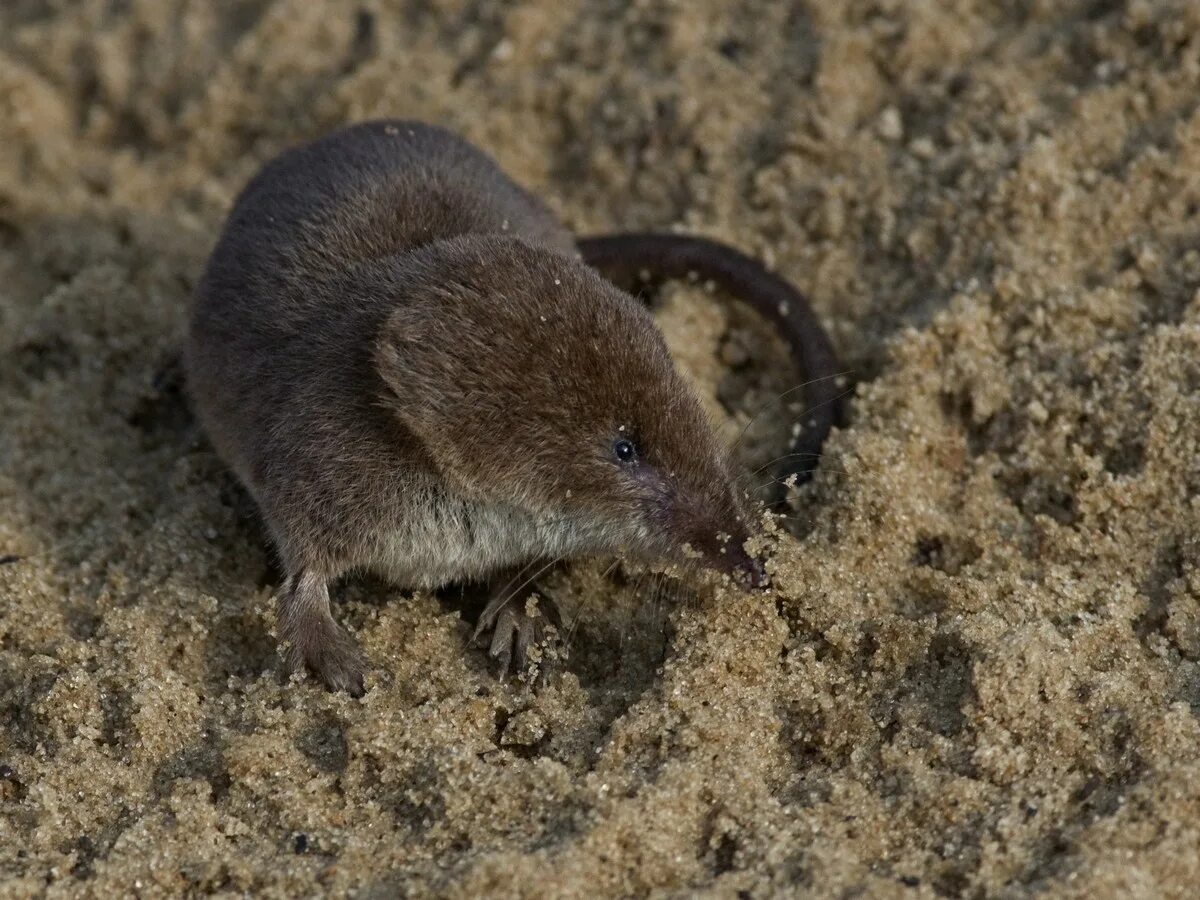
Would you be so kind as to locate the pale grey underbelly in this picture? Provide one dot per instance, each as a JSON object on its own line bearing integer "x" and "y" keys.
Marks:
{"x": 465, "y": 542}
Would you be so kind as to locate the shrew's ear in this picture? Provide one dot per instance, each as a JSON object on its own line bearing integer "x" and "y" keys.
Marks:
{"x": 435, "y": 384}
{"x": 410, "y": 359}
{"x": 417, "y": 356}
{"x": 423, "y": 344}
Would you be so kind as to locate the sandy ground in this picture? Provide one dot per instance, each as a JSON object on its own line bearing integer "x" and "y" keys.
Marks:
{"x": 978, "y": 673}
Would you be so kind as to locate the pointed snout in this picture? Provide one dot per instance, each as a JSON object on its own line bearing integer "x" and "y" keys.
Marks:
{"x": 719, "y": 531}
{"x": 748, "y": 571}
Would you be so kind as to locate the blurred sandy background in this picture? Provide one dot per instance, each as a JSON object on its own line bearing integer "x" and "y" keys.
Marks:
{"x": 978, "y": 674}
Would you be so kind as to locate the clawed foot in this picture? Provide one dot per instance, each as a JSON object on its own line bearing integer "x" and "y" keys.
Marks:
{"x": 332, "y": 655}
{"x": 518, "y": 626}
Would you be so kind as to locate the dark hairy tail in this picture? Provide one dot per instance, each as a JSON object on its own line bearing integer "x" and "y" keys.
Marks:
{"x": 630, "y": 260}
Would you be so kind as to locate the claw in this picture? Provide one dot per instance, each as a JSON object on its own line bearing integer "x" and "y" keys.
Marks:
{"x": 334, "y": 656}
{"x": 501, "y": 647}
{"x": 514, "y": 632}
{"x": 487, "y": 618}
{"x": 477, "y": 638}
{"x": 524, "y": 638}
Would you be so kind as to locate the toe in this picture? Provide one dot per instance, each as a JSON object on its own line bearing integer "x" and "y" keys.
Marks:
{"x": 502, "y": 642}
{"x": 491, "y": 615}
{"x": 334, "y": 657}
{"x": 525, "y": 638}
{"x": 342, "y": 674}
{"x": 344, "y": 678}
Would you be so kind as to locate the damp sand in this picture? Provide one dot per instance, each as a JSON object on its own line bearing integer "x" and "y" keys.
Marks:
{"x": 977, "y": 673}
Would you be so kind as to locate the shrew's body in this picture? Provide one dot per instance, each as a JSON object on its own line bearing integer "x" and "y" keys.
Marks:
{"x": 403, "y": 358}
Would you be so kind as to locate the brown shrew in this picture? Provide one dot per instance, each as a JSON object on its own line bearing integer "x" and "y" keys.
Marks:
{"x": 416, "y": 370}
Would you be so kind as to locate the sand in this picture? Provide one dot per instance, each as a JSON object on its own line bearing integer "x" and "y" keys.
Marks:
{"x": 978, "y": 673}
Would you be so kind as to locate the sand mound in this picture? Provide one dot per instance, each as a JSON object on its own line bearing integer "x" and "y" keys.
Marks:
{"x": 978, "y": 672}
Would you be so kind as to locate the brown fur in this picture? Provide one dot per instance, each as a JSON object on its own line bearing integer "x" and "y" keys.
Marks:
{"x": 400, "y": 354}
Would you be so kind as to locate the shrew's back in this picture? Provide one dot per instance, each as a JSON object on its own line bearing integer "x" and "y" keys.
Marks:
{"x": 365, "y": 192}
{"x": 278, "y": 357}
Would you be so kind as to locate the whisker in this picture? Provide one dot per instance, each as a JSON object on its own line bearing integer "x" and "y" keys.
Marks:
{"x": 655, "y": 596}
{"x": 811, "y": 409}
{"x": 778, "y": 459}
{"x": 783, "y": 479}
{"x": 776, "y": 399}
{"x": 806, "y": 520}
{"x": 569, "y": 638}
{"x": 573, "y": 626}
{"x": 662, "y": 591}
{"x": 532, "y": 578}
{"x": 520, "y": 573}
{"x": 795, "y": 435}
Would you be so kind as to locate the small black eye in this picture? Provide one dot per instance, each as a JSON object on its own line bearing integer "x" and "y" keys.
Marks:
{"x": 624, "y": 450}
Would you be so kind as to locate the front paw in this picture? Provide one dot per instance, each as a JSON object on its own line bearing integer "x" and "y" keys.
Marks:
{"x": 522, "y": 631}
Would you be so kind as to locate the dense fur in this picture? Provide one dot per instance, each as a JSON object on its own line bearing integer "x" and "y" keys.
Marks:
{"x": 518, "y": 368}
{"x": 401, "y": 356}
